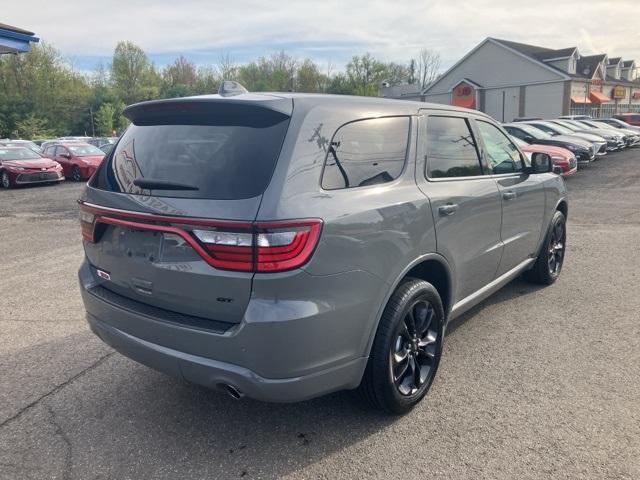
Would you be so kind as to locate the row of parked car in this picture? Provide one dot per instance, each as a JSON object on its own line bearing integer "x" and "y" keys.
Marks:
{"x": 568, "y": 140}
{"x": 25, "y": 162}
{"x": 573, "y": 140}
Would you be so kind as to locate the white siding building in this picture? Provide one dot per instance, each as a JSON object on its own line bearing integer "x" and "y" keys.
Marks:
{"x": 507, "y": 80}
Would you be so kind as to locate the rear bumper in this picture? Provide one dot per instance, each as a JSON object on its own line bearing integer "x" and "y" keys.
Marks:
{"x": 214, "y": 374}
{"x": 288, "y": 347}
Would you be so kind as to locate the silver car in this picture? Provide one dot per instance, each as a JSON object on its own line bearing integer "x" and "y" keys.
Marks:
{"x": 284, "y": 246}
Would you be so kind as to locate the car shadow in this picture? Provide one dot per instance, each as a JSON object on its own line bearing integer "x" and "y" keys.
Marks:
{"x": 120, "y": 419}
{"x": 516, "y": 288}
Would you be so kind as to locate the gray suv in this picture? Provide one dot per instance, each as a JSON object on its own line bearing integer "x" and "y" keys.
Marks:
{"x": 284, "y": 246}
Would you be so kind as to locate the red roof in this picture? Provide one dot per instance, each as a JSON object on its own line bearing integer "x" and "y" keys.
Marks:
{"x": 580, "y": 99}
{"x": 599, "y": 97}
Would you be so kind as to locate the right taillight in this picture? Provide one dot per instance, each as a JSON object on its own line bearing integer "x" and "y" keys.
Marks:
{"x": 268, "y": 247}
{"x": 285, "y": 245}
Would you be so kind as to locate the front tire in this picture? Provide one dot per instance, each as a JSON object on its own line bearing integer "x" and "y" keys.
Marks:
{"x": 548, "y": 265}
{"x": 5, "y": 180}
{"x": 406, "y": 350}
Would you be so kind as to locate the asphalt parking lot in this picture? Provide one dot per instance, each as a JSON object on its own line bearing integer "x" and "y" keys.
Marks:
{"x": 535, "y": 383}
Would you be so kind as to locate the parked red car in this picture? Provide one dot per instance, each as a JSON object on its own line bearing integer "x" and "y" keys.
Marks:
{"x": 21, "y": 165}
{"x": 630, "y": 118}
{"x": 561, "y": 157}
{"x": 78, "y": 160}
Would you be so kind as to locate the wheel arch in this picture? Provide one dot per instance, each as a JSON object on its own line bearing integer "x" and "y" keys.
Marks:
{"x": 432, "y": 268}
{"x": 563, "y": 206}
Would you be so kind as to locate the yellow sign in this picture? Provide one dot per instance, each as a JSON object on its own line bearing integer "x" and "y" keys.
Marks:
{"x": 619, "y": 91}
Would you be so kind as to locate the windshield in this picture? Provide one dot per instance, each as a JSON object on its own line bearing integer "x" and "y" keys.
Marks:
{"x": 558, "y": 128}
{"x": 30, "y": 145}
{"x": 534, "y": 132}
{"x": 571, "y": 125}
{"x": 18, "y": 154}
{"x": 84, "y": 150}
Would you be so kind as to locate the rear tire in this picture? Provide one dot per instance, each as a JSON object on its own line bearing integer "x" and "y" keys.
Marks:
{"x": 548, "y": 265}
{"x": 76, "y": 174}
{"x": 5, "y": 181}
{"x": 406, "y": 350}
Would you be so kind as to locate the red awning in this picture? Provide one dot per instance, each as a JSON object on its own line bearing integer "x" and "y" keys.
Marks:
{"x": 599, "y": 97}
{"x": 580, "y": 99}
{"x": 465, "y": 102}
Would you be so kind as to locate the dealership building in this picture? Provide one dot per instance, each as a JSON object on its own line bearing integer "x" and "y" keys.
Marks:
{"x": 507, "y": 80}
{"x": 15, "y": 40}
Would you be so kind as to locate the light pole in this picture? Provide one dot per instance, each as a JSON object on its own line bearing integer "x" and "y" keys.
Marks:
{"x": 93, "y": 128}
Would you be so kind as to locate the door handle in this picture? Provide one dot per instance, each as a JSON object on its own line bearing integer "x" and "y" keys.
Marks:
{"x": 448, "y": 209}
{"x": 510, "y": 195}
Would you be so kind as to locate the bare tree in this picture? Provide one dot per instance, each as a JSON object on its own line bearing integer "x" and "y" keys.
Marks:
{"x": 428, "y": 66}
{"x": 227, "y": 68}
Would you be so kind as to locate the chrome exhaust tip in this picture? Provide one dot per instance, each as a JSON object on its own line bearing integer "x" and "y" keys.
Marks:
{"x": 233, "y": 391}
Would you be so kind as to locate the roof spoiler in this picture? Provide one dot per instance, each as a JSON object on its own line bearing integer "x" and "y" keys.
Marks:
{"x": 233, "y": 103}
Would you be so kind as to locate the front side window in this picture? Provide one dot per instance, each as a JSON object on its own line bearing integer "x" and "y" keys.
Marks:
{"x": 502, "y": 155}
{"x": 451, "y": 148}
{"x": 366, "y": 152}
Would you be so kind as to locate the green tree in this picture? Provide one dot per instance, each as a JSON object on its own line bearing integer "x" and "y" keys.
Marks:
{"x": 309, "y": 78}
{"x": 134, "y": 76}
{"x": 33, "y": 127}
{"x": 366, "y": 74}
{"x": 104, "y": 120}
{"x": 179, "y": 79}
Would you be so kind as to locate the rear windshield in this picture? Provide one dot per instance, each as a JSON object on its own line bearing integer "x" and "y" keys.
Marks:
{"x": 219, "y": 157}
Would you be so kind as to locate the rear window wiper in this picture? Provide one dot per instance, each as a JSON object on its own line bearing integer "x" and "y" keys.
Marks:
{"x": 153, "y": 184}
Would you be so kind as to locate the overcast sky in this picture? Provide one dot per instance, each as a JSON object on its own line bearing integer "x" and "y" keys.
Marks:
{"x": 325, "y": 30}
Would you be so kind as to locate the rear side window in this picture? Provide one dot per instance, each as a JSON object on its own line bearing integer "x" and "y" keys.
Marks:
{"x": 218, "y": 156}
{"x": 451, "y": 148}
{"x": 366, "y": 152}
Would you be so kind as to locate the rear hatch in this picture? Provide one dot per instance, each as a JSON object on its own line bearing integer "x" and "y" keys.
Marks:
{"x": 167, "y": 217}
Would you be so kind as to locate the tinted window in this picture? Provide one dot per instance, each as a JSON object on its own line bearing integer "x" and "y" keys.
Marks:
{"x": 502, "y": 155}
{"x": 366, "y": 152}
{"x": 221, "y": 156}
{"x": 451, "y": 148}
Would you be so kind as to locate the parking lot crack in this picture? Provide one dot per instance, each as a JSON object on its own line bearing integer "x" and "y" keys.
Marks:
{"x": 55, "y": 390}
{"x": 68, "y": 457}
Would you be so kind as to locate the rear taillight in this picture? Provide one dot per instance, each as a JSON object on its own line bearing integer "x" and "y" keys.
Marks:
{"x": 230, "y": 250}
{"x": 87, "y": 223}
{"x": 285, "y": 245}
{"x": 268, "y": 247}
{"x": 228, "y": 245}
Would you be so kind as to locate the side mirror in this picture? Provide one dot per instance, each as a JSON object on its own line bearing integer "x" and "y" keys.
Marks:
{"x": 65, "y": 155}
{"x": 541, "y": 163}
